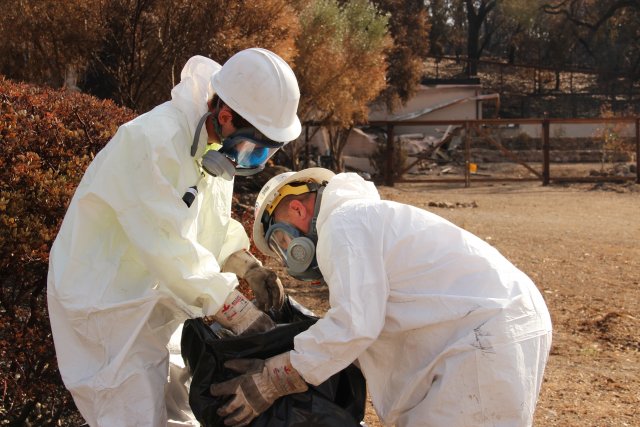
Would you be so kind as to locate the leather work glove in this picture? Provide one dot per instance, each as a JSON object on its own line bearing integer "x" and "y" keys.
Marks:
{"x": 262, "y": 382}
{"x": 264, "y": 283}
{"x": 241, "y": 316}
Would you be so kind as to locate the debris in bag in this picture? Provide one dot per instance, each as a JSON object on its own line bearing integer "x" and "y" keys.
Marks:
{"x": 339, "y": 401}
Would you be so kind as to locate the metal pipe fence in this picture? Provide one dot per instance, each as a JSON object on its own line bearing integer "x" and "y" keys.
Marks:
{"x": 545, "y": 150}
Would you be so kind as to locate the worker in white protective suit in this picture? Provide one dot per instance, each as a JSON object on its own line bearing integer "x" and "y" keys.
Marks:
{"x": 148, "y": 239}
{"x": 446, "y": 330}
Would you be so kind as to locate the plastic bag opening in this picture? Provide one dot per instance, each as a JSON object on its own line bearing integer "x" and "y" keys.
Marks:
{"x": 339, "y": 401}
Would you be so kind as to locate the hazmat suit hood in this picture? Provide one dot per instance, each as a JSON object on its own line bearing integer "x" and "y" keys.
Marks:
{"x": 192, "y": 93}
{"x": 342, "y": 188}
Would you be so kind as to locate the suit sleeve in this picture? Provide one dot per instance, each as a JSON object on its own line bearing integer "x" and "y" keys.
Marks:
{"x": 137, "y": 180}
{"x": 350, "y": 258}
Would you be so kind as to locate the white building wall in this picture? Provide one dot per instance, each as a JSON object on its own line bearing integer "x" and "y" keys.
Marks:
{"x": 434, "y": 102}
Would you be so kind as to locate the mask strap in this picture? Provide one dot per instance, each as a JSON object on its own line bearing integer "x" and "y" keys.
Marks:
{"x": 196, "y": 135}
{"x": 313, "y": 232}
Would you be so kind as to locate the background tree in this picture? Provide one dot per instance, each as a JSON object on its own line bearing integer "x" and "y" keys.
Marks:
{"x": 478, "y": 32}
{"x": 462, "y": 28}
{"x": 526, "y": 35}
{"x": 340, "y": 66}
{"x": 608, "y": 33}
{"x": 409, "y": 27}
{"x": 448, "y": 27}
{"x": 144, "y": 45}
{"x": 48, "y": 41}
{"x": 149, "y": 41}
{"x": 437, "y": 11}
{"x": 132, "y": 51}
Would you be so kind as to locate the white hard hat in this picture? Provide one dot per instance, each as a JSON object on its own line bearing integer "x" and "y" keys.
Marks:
{"x": 271, "y": 195}
{"x": 261, "y": 87}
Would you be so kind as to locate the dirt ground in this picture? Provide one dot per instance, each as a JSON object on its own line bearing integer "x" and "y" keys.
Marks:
{"x": 580, "y": 244}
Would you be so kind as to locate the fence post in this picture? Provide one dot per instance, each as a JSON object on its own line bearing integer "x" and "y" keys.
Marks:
{"x": 638, "y": 150}
{"x": 467, "y": 155}
{"x": 545, "y": 151}
{"x": 307, "y": 153}
{"x": 388, "y": 179}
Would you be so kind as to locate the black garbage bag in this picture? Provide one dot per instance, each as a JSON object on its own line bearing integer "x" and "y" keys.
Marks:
{"x": 339, "y": 401}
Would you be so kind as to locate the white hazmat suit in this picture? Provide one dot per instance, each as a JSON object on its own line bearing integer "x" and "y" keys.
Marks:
{"x": 132, "y": 261}
{"x": 446, "y": 330}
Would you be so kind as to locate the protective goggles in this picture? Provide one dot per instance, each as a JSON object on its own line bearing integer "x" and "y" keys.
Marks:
{"x": 249, "y": 149}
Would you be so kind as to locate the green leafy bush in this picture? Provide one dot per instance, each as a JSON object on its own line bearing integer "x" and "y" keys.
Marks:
{"x": 47, "y": 139}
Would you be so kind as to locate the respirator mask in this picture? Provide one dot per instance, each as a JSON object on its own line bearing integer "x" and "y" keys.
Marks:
{"x": 297, "y": 251}
{"x": 244, "y": 152}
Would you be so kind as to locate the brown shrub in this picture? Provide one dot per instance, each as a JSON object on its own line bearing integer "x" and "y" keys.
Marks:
{"x": 47, "y": 139}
